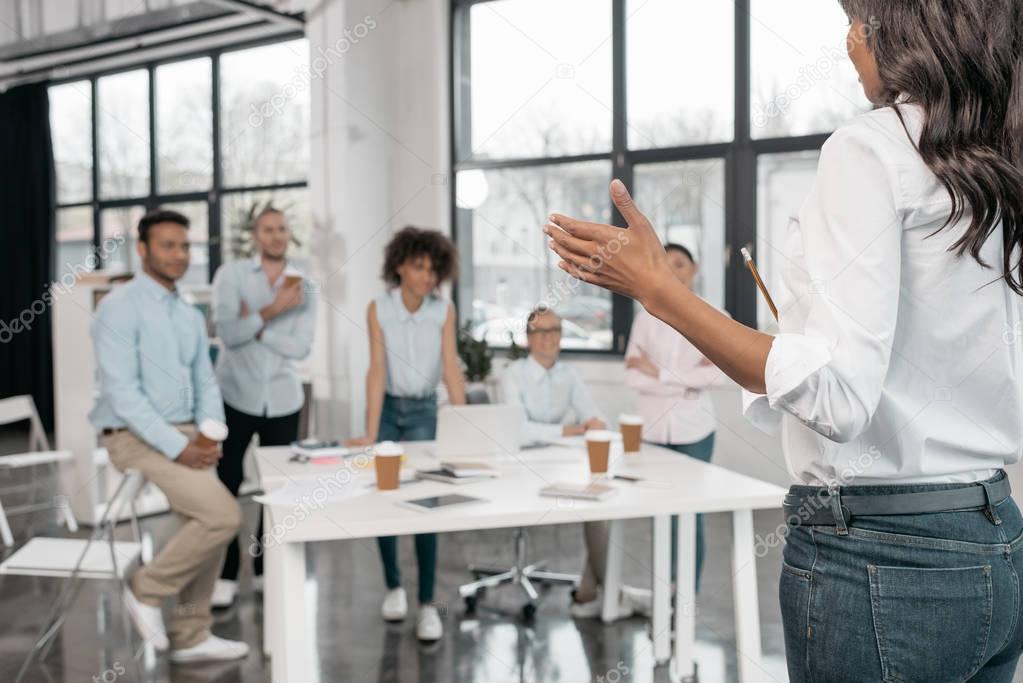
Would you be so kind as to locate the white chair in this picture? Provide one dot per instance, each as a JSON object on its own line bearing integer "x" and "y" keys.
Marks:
{"x": 18, "y": 409}
{"x": 76, "y": 559}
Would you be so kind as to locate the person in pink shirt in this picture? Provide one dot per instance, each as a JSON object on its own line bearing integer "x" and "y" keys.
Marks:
{"x": 670, "y": 376}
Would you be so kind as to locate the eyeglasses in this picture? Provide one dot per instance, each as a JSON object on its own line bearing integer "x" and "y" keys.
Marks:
{"x": 544, "y": 330}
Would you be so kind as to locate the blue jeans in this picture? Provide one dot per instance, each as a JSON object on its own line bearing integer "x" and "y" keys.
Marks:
{"x": 929, "y": 597}
{"x": 409, "y": 419}
{"x": 701, "y": 450}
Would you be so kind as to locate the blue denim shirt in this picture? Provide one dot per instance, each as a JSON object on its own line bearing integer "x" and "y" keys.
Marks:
{"x": 152, "y": 364}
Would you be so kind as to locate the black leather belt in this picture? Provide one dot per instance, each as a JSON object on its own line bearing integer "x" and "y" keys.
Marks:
{"x": 815, "y": 507}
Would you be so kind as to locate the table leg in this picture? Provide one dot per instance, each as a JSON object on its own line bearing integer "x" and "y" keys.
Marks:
{"x": 744, "y": 594}
{"x": 682, "y": 665}
{"x": 271, "y": 578}
{"x": 295, "y": 651}
{"x": 613, "y": 571}
{"x": 660, "y": 582}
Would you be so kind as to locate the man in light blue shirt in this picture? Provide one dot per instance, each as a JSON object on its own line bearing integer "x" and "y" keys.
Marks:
{"x": 265, "y": 315}
{"x": 156, "y": 383}
{"x": 558, "y": 404}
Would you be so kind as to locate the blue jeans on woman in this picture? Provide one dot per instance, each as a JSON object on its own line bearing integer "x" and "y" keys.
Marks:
{"x": 409, "y": 419}
{"x": 701, "y": 450}
{"x": 928, "y": 597}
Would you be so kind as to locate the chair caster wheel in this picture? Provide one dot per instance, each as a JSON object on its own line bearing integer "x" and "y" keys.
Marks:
{"x": 528, "y": 611}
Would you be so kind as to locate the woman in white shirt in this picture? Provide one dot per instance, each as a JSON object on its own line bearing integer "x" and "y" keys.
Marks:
{"x": 896, "y": 373}
{"x": 670, "y": 374}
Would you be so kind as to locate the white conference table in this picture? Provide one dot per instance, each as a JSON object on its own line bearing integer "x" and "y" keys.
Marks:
{"x": 307, "y": 510}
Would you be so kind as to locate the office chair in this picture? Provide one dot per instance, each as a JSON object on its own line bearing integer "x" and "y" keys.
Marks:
{"x": 522, "y": 574}
{"x": 77, "y": 559}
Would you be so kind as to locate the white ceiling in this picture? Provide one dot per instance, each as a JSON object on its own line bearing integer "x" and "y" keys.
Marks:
{"x": 46, "y": 39}
{"x": 26, "y": 20}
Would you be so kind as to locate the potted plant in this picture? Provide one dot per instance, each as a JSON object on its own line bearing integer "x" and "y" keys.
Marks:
{"x": 477, "y": 362}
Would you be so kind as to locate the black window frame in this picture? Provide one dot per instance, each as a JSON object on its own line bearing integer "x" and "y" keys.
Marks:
{"x": 740, "y": 156}
{"x": 153, "y": 198}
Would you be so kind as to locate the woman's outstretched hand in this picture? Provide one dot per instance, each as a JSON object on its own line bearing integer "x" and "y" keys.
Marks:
{"x": 630, "y": 262}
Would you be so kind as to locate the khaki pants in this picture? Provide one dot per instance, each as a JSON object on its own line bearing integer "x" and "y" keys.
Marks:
{"x": 596, "y": 535}
{"x": 188, "y": 565}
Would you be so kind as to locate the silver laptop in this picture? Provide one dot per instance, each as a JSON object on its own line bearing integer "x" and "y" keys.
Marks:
{"x": 478, "y": 432}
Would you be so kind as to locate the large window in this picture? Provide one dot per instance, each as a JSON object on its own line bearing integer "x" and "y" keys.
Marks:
{"x": 712, "y": 112}
{"x": 216, "y": 137}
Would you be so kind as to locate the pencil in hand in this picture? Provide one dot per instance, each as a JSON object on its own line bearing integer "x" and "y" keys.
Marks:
{"x": 760, "y": 283}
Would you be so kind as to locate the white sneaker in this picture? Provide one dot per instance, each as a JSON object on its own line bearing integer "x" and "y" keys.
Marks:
{"x": 224, "y": 593}
{"x": 594, "y": 608}
{"x": 257, "y": 584}
{"x": 639, "y": 599}
{"x": 210, "y": 650}
{"x": 395, "y": 605}
{"x": 148, "y": 620}
{"x": 429, "y": 626}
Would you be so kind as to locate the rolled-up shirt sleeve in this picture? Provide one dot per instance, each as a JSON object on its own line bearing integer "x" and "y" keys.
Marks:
{"x": 830, "y": 375}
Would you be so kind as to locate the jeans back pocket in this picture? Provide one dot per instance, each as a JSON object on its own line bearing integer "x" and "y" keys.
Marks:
{"x": 931, "y": 624}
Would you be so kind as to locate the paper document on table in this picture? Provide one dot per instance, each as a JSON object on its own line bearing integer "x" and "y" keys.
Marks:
{"x": 318, "y": 492}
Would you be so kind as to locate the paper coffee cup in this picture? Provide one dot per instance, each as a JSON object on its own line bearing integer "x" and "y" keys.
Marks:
{"x": 598, "y": 448}
{"x": 211, "y": 432}
{"x": 631, "y": 427}
{"x": 387, "y": 461}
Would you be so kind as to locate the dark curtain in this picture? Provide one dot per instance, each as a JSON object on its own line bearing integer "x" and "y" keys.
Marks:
{"x": 27, "y": 188}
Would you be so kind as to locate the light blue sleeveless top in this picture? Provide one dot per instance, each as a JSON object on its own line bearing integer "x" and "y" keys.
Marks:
{"x": 413, "y": 344}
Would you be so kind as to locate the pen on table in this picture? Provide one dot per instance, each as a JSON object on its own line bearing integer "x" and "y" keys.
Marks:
{"x": 760, "y": 283}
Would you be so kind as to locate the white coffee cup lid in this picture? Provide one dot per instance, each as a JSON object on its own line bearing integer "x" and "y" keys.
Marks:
{"x": 599, "y": 435}
{"x": 388, "y": 448}
{"x": 213, "y": 429}
{"x": 629, "y": 419}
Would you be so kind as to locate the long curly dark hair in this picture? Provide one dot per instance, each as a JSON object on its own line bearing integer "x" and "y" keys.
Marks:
{"x": 411, "y": 242}
{"x": 962, "y": 62}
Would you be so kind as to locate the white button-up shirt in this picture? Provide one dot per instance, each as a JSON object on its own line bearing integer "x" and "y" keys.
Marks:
{"x": 549, "y": 398}
{"x": 674, "y": 405}
{"x": 896, "y": 359}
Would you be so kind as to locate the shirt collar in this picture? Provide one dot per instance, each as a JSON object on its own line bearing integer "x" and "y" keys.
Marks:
{"x": 154, "y": 288}
{"x": 536, "y": 372}
{"x": 257, "y": 261}
{"x": 404, "y": 315}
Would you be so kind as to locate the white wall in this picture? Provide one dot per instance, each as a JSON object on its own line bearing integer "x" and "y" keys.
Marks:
{"x": 379, "y": 162}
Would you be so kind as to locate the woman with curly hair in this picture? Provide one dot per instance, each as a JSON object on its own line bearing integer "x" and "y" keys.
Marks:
{"x": 412, "y": 342}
